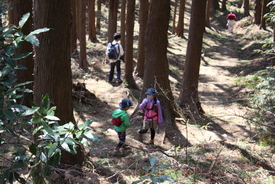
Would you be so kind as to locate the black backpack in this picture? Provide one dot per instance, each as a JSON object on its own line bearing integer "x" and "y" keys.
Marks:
{"x": 111, "y": 51}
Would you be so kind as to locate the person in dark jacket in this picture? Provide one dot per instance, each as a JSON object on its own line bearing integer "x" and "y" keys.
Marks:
{"x": 124, "y": 105}
{"x": 152, "y": 114}
{"x": 115, "y": 62}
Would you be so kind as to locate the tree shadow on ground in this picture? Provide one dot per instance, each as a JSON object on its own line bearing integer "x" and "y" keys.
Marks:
{"x": 211, "y": 125}
{"x": 254, "y": 66}
{"x": 256, "y": 161}
{"x": 175, "y": 137}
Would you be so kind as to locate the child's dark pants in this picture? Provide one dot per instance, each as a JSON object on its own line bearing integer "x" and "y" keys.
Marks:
{"x": 122, "y": 139}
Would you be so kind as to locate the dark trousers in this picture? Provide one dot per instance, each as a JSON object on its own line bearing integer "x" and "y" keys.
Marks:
{"x": 112, "y": 71}
{"x": 122, "y": 139}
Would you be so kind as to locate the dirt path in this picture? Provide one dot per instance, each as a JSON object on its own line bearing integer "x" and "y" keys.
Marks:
{"x": 218, "y": 96}
{"x": 216, "y": 89}
{"x": 218, "y": 92}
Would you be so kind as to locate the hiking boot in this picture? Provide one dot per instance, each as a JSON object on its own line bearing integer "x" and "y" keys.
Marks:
{"x": 116, "y": 153}
{"x": 151, "y": 142}
{"x": 124, "y": 146}
{"x": 119, "y": 81}
{"x": 140, "y": 137}
{"x": 112, "y": 81}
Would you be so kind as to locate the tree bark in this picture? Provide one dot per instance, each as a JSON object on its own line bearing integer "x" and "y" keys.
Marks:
{"x": 73, "y": 44}
{"x": 174, "y": 17}
{"x": 224, "y": 5}
{"x": 98, "y": 16}
{"x": 258, "y": 13}
{"x": 112, "y": 25}
{"x": 215, "y": 5}
{"x": 143, "y": 17}
{"x": 246, "y": 8}
{"x": 156, "y": 62}
{"x": 189, "y": 94}
{"x": 52, "y": 72}
{"x": 207, "y": 16}
{"x": 263, "y": 23}
{"x": 77, "y": 20}
{"x": 129, "y": 66}
{"x": 180, "y": 27}
{"x": 82, "y": 34}
{"x": 122, "y": 23}
{"x": 15, "y": 14}
{"x": 91, "y": 23}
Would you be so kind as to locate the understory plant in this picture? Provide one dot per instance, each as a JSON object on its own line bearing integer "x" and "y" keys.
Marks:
{"x": 18, "y": 152}
{"x": 261, "y": 97}
{"x": 262, "y": 91}
{"x": 153, "y": 174}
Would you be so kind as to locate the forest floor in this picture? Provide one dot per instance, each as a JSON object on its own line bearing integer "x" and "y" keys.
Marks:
{"x": 222, "y": 150}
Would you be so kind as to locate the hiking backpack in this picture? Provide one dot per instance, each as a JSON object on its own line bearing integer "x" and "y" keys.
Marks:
{"x": 111, "y": 51}
{"x": 116, "y": 121}
{"x": 154, "y": 107}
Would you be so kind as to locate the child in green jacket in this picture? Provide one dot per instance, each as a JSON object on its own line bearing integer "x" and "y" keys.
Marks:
{"x": 124, "y": 105}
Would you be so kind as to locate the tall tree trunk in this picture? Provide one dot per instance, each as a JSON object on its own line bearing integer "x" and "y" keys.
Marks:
{"x": 122, "y": 23}
{"x": 1, "y": 25}
{"x": 77, "y": 19}
{"x": 52, "y": 74}
{"x": 82, "y": 34}
{"x": 215, "y": 5}
{"x": 112, "y": 24}
{"x": 246, "y": 7}
{"x": 91, "y": 13}
{"x": 224, "y": 5}
{"x": 15, "y": 14}
{"x": 129, "y": 67}
{"x": 98, "y": 16}
{"x": 143, "y": 17}
{"x": 156, "y": 62}
{"x": 257, "y": 14}
{"x": 207, "y": 16}
{"x": 263, "y": 24}
{"x": 180, "y": 27}
{"x": 189, "y": 94}
{"x": 10, "y": 12}
{"x": 174, "y": 17}
{"x": 73, "y": 44}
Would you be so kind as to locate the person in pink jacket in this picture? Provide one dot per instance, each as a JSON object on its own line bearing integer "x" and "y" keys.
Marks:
{"x": 231, "y": 20}
{"x": 152, "y": 114}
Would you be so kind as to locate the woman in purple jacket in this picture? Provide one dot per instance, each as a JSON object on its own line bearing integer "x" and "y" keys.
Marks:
{"x": 152, "y": 114}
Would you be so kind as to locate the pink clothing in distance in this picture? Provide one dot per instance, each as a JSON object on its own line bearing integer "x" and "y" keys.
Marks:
{"x": 231, "y": 16}
{"x": 150, "y": 114}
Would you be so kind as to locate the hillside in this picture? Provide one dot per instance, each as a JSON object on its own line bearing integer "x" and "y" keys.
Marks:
{"x": 222, "y": 150}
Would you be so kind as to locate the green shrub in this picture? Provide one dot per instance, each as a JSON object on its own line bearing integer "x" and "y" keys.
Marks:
{"x": 261, "y": 97}
{"x": 15, "y": 119}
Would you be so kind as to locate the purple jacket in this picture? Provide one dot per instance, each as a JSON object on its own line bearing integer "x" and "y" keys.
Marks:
{"x": 149, "y": 113}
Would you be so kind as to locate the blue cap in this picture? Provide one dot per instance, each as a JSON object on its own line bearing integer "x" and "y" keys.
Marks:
{"x": 151, "y": 91}
{"x": 126, "y": 102}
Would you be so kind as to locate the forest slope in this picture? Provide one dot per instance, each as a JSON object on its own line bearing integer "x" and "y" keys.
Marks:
{"x": 221, "y": 149}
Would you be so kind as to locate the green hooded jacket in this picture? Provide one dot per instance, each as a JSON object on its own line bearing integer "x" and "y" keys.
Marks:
{"x": 124, "y": 118}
